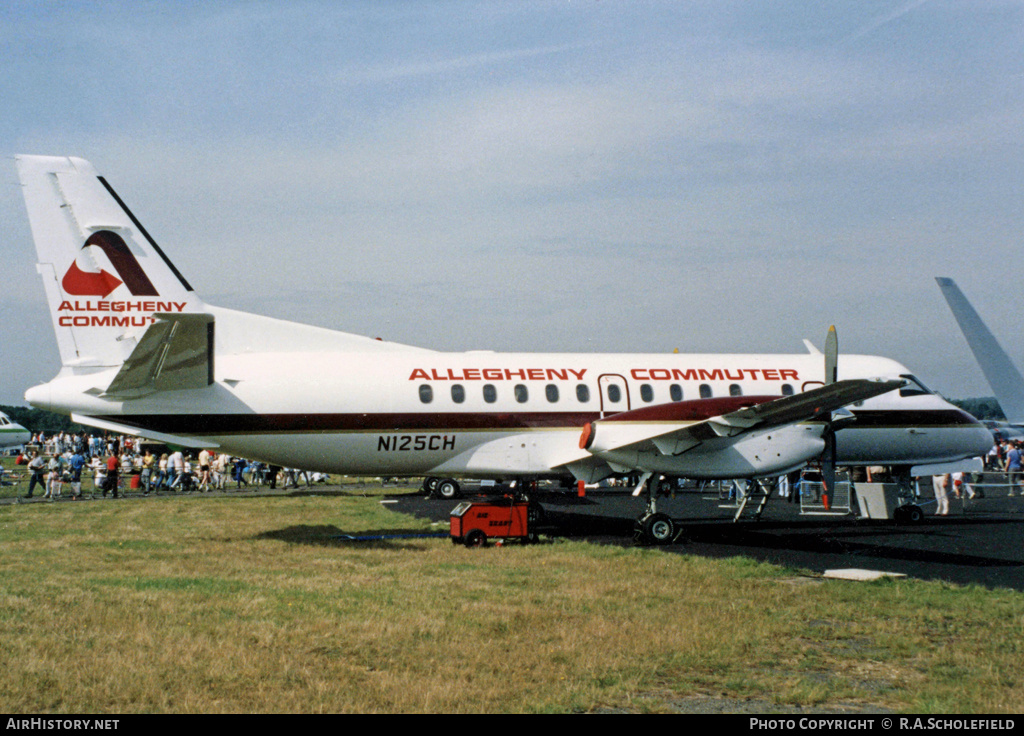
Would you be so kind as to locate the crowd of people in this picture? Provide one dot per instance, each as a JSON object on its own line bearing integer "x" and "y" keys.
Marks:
{"x": 1007, "y": 456}
{"x": 57, "y": 464}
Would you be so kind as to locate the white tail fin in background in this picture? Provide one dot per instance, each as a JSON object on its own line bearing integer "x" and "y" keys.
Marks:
{"x": 105, "y": 277}
{"x": 1002, "y": 375}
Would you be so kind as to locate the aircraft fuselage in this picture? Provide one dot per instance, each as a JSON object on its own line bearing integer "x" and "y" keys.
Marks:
{"x": 487, "y": 414}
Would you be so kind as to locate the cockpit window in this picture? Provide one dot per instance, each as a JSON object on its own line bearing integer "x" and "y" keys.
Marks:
{"x": 914, "y": 387}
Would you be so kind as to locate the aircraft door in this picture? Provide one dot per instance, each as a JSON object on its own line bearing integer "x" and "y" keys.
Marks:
{"x": 614, "y": 393}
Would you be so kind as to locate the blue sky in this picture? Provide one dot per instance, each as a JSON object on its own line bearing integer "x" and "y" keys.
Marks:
{"x": 544, "y": 176}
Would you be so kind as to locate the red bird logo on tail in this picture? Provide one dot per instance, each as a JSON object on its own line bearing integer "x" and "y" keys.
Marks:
{"x": 102, "y": 283}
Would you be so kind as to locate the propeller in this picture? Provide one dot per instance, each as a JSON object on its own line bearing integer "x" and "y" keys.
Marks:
{"x": 831, "y": 355}
{"x": 828, "y": 456}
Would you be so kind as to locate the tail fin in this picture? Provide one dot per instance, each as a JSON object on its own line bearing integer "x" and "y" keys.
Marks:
{"x": 1002, "y": 375}
{"x": 105, "y": 277}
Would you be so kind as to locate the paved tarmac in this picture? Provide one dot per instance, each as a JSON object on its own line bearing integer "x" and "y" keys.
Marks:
{"x": 981, "y": 541}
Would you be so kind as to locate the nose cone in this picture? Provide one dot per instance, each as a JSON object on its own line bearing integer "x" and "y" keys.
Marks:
{"x": 983, "y": 440}
{"x": 975, "y": 439}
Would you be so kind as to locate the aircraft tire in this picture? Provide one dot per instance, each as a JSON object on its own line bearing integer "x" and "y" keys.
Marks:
{"x": 430, "y": 485}
{"x": 658, "y": 529}
{"x": 448, "y": 489}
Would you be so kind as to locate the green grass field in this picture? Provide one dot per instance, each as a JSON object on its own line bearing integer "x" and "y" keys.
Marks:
{"x": 255, "y": 604}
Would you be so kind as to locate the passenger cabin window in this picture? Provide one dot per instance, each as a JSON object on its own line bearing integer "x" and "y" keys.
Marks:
{"x": 787, "y": 389}
{"x": 521, "y": 393}
{"x": 614, "y": 394}
{"x": 458, "y": 393}
{"x": 705, "y": 391}
{"x": 426, "y": 394}
{"x": 551, "y": 392}
{"x": 490, "y": 393}
{"x": 675, "y": 391}
{"x": 647, "y": 393}
{"x": 582, "y": 393}
{"x": 735, "y": 389}
{"x": 914, "y": 387}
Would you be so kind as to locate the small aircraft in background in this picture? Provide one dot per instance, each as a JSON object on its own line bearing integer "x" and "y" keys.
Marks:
{"x": 12, "y": 434}
{"x": 143, "y": 355}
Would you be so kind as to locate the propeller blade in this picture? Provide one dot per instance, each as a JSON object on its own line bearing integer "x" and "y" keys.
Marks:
{"x": 831, "y": 356}
{"x": 828, "y": 458}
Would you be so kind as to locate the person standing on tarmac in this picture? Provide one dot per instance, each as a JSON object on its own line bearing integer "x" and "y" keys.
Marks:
{"x": 1013, "y": 468}
{"x": 940, "y": 484}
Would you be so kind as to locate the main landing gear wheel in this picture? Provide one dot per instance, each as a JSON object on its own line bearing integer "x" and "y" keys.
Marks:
{"x": 448, "y": 489}
{"x": 430, "y": 485}
{"x": 656, "y": 528}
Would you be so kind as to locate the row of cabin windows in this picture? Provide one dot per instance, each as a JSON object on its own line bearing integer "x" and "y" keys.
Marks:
{"x": 551, "y": 393}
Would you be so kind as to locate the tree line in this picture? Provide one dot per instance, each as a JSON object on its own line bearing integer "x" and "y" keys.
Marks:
{"x": 40, "y": 420}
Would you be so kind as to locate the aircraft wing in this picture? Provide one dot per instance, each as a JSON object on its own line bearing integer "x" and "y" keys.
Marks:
{"x": 175, "y": 353}
{"x": 670, "y": 429}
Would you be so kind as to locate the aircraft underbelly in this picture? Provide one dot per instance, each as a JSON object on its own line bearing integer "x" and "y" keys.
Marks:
{"x": 762, "y": 454}
{"x": 909, "y": 445}
{"x": 396, "y": 453}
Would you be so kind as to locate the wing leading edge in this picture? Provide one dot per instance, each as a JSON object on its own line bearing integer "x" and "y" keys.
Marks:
{"x": 666, "y": 432}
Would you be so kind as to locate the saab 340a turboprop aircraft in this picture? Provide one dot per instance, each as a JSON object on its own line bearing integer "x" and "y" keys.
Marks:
{"x": 142, "y": 354}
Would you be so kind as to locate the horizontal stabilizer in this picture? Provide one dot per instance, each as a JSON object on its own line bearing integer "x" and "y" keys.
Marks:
{"x": 170, "y": 439}
{"x": 174, "y": 354}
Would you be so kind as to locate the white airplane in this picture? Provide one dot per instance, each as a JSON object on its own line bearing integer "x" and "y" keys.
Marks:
{"x": 143, "y": 355}
{"x": 12, "y": 434}
{"x": 1002, "y": 375}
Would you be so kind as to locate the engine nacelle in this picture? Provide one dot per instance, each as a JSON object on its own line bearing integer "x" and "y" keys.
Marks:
{"x": 756, "y": 455}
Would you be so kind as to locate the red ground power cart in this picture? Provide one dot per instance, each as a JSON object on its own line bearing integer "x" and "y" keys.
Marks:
{"x": 474, "y": 523}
